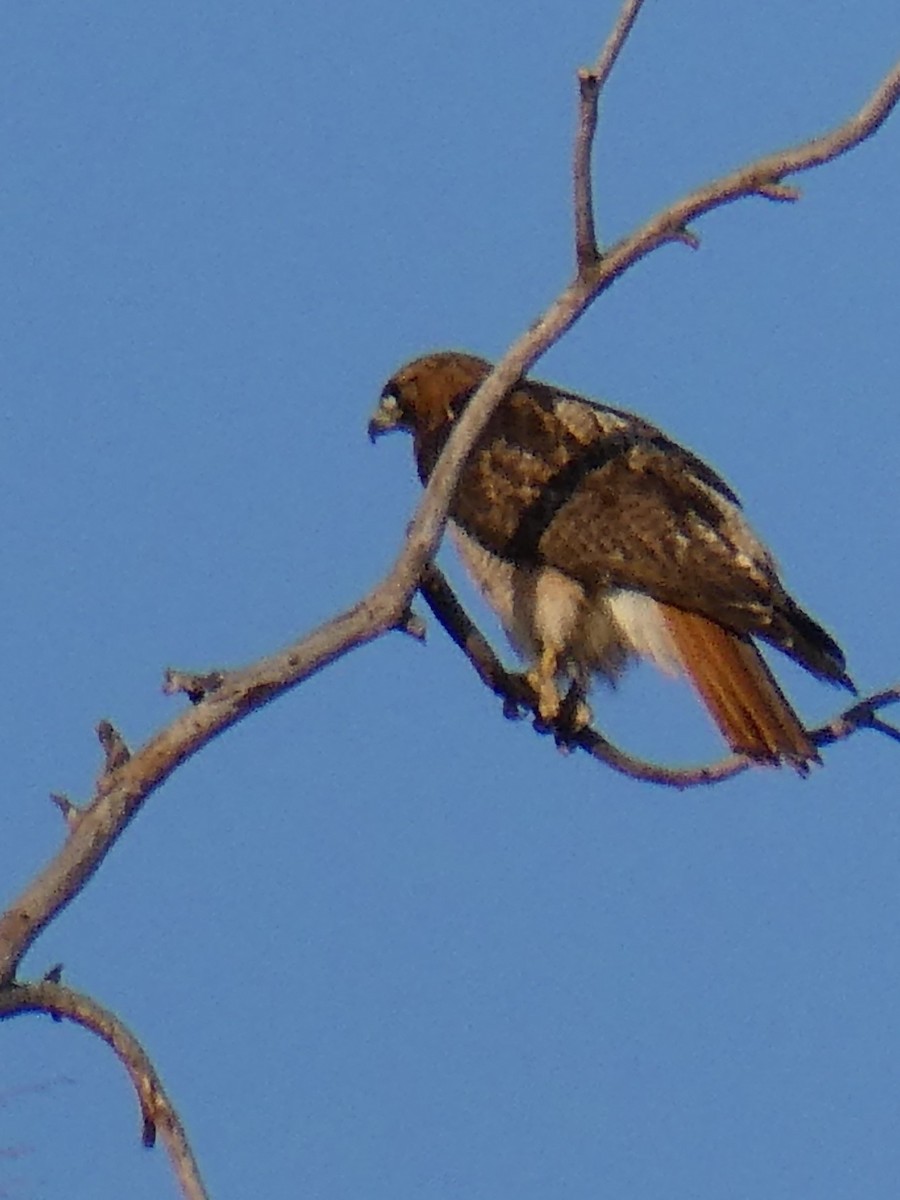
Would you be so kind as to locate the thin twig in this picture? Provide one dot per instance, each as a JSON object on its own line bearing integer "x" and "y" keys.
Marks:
{"x": 115, "y": 750}
{"x": 641, "y": 769}
{"x": 586, "y": 249}
{"x": 517, "y": 694}
{"x": 669, "y": 225}
{"x": 158, "y": 1115}
{"x": 761, "y": 178}
{"x": 612, "y": 47}
{"x": 862, "y": 714}
{"x": 591, "y": 81}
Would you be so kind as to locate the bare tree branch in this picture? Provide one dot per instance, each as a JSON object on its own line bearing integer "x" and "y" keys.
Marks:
{"x": 157, "y": 1112}
{"x": 513, "y": 688}
{"x": 761, "y": 178}
{"x": 864, "y": 714}
{"x": 591, "y": 82}
{"x": 221, "y": 698}
{"x": 121, "y": 791}
{"x": 615, "y": 42}
{"x": 669, "y": 225}
{"x": 517, "y": 694}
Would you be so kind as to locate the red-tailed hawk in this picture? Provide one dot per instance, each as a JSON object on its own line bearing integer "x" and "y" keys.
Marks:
{"x": 597, "y": 539}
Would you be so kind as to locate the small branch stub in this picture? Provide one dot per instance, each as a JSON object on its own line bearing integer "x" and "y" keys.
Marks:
{"x": 686, "y": 237}
{"x": 196, "y": 686}
{"x": 413, "y": 625}
{"x": 778, "y": 191}
{"x": 587, "y": 251}
{"x": 114, "y": 748}
{"x": 71, "y": 813}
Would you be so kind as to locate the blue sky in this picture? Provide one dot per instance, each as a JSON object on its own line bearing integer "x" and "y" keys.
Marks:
{"x": 378, "y": 940}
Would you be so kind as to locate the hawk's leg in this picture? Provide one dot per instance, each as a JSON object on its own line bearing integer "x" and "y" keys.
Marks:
{"x": 570, "y": 711}
{"x": 542, "y": 678}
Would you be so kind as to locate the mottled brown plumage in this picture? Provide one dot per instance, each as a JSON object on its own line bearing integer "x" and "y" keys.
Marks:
{"x": 596, "y": 538}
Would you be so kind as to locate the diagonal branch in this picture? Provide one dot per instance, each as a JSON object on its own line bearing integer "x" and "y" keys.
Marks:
{"x": 223, "y": 698}
{"x": 157, "y": 1112}
{"x": 615, "y": 42}
{"x": 758, "y": 178}
{"x": 231, "y": 696}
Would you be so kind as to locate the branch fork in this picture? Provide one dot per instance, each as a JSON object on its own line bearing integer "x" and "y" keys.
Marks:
{"x": 219, "y": 699}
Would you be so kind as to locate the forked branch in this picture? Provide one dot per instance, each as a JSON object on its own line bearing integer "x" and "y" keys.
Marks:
{"x": 591, "y": 82}
{"x": 518, "y": 696}
{"x": 760, "y": 178}
{"x": 221, "y": 698}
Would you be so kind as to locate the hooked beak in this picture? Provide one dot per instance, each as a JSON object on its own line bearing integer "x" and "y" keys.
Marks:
{"x": 385, "y": 418}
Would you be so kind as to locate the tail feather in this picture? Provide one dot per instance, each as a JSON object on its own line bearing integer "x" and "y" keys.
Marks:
{"x": 739, "y": 691}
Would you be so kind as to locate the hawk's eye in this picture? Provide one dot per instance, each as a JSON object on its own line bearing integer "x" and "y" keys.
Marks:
{"x": 391, "y": 406}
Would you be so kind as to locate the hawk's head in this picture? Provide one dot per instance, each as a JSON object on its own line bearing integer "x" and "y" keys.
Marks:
{"x": 428, "y": 393}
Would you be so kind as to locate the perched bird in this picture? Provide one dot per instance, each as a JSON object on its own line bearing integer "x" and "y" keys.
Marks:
{"x": 597, "y": 540}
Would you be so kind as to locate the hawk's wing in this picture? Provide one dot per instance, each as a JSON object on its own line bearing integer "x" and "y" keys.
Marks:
{"x": 608, "y": 499}
{"x": 595, "y": 536}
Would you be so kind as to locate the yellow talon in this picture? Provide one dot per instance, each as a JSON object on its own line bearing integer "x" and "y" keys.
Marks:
{"x": 543, "y": 679}
{"x": 575, "y": 712}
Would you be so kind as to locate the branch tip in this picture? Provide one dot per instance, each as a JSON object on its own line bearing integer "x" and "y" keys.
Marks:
{"x": 71, "y": 812}
{"x": 157, "y": 1112}
{"x": 776, "y": 190}
{"x": 195, "y": 685}
{"x": 148, "y": 1132}
{"x": 686, "y": 237}
{"x": 884, "y": 727}
{"x": 412, "y": 625}
{"x": 115, "y": 750}
{"x": 591, "y": 81}
{"x": 612, "y": 47}
{"x": 862, "y": 714}
{"x": 54, "y": 975}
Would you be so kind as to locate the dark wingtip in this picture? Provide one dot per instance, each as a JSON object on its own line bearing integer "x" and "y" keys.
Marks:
{"x": 816, "y": 649}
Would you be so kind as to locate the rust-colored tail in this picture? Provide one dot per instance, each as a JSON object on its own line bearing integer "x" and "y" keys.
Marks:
{"x": 740, "y": 691}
